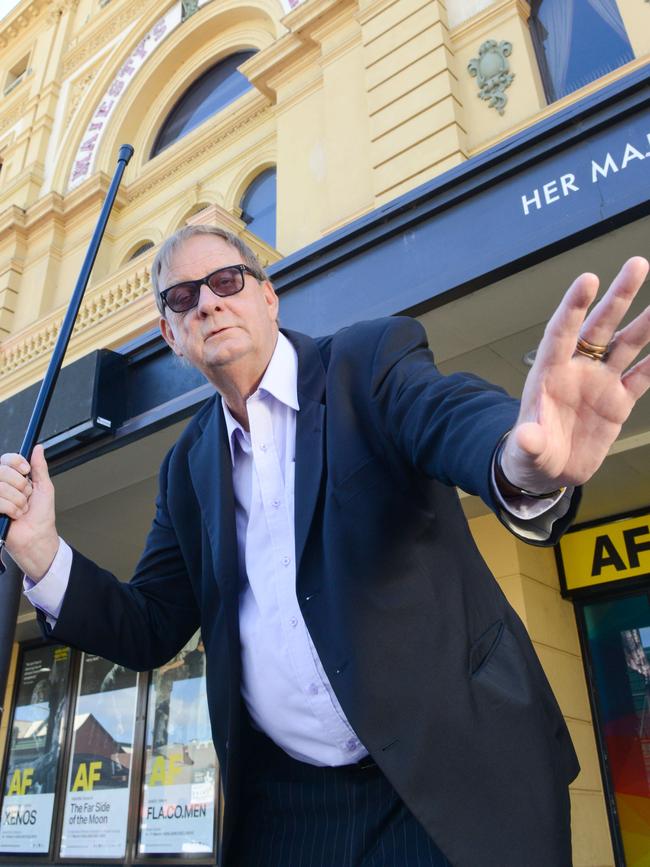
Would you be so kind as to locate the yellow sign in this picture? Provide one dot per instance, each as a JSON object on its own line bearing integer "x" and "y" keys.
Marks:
{"x": 608, "y": 552}
{"x": 87, "y": 775}
{"x": 20, "y": 782}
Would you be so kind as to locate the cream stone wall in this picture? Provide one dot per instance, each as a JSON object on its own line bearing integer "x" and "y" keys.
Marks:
{"x": 354, "y": 101}
{"x": 528, "y": 577}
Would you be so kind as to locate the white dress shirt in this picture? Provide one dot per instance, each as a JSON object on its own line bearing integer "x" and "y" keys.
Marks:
{"x": 285, "y": 688}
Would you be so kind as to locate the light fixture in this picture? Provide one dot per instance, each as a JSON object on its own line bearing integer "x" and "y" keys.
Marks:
{"x": 529, "y": 357}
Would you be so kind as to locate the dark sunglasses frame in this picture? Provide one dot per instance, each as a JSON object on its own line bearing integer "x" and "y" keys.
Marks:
{"x": 196, "y": 286}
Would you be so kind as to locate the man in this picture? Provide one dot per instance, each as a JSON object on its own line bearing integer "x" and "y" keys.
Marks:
{"x": 374, "y": 699}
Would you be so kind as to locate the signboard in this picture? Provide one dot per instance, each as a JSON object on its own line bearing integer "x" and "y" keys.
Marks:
{"x": 613, "y": 551}
{"x": 28, "y": 802}
{"x": 180, "y": 781}
{"x": 97, "y": 797}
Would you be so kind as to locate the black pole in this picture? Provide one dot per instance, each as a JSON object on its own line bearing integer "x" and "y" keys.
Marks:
{"x": 52, "y": 372}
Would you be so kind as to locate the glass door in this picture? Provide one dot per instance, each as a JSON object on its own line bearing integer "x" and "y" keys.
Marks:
{"x": 618, "y": 643}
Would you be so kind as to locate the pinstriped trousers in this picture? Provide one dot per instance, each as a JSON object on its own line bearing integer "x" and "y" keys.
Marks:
{"x": 298, "y": 815}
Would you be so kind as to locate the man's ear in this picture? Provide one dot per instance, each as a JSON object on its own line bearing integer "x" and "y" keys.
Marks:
{"x": 168, "y": 336}
{"x": 272, "y": 300}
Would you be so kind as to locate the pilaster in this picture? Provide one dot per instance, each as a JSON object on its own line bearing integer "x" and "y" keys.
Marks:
{"x": 416, "y": 117}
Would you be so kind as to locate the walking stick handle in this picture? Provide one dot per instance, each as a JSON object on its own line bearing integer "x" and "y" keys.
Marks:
{"x": 65, "y": 332}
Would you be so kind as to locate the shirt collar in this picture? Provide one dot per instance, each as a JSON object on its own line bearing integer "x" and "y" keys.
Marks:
{"x": 280, "y": 381}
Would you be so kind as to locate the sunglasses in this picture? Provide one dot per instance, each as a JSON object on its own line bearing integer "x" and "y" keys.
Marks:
{"x": 182, "y": 297}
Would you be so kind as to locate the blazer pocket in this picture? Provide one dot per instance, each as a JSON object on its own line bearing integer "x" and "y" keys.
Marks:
{"x": 483, "y": 648}
{"x": 368, "y": 475}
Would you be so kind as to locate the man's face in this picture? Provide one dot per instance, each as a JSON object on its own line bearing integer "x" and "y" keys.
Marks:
{"x": 225, "y": 338}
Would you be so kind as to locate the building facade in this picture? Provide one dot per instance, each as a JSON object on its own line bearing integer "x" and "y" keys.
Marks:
{"x": 457, "y": 162}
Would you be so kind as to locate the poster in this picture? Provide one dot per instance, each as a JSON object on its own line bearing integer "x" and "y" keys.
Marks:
{"x": 34, "y": 749}
{"x": 178, "y": 799}
{"x": 97, "y": 796}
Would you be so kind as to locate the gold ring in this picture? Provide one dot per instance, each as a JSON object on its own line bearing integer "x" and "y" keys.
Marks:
{"x": 592, "y": 350}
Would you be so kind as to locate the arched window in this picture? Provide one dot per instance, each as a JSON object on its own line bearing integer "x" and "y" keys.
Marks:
{"x": 139, "y": 250}
{"x": 215, "y": 89}
{"x": 577, "y": 41}
{"x": 258, "y": 206}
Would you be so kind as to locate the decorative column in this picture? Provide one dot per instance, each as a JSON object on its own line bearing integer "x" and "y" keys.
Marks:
{"x": 413, "y": 97}
{"x": 12, "y": 252}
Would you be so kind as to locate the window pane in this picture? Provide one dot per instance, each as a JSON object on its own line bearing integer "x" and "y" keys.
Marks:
{"x": 214, "y": 90}
{"x": 581, "y": 41}
{"x": 178, "y": 801}
{"x": 259, "y": 206}
{"x": 139, "y": 250}
{"x": 97, "y": 794}
{"x": 35, "y": 746}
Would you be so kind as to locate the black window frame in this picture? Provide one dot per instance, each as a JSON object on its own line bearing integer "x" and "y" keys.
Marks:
{"x": 242, "y": 55}
{"x": 136, "y": 790}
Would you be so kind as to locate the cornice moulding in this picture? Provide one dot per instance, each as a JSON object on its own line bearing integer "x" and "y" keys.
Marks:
{"x": 122, "y": 299}
{"x": 32, "y": 175}
{"x": 311, "y": 12}
{"x": 19, "y": 19}
{"x": 260, "y": 68}
{"x": 12, "y": 220}
{"x": 50, "y": 208}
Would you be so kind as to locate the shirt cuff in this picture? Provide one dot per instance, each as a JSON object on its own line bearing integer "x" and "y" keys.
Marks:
{"x": 48, "y": 593}
{"x": 530, "y": 517}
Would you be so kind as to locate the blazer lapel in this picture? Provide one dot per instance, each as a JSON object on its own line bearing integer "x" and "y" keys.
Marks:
{"x": 211, "y": 472}
{"x": 310, "y": 435}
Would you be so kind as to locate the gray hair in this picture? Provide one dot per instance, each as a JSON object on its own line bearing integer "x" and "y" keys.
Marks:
{"x": 174, "y": 242}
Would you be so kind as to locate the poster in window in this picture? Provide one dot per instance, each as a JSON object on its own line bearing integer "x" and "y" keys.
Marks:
{"x": 34, "y": 750}
{"x": 178, "y": 798}
{"x": 97, "y": 795}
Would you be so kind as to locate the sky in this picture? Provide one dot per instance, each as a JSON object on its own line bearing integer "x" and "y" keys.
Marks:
{"x": 6, "y": 6}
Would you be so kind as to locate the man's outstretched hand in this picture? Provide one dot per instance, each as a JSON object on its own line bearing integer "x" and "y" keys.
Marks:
{"x": 573, "y": 406}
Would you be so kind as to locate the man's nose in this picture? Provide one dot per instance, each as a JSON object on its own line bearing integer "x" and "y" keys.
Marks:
{"x": 208, "y": 301}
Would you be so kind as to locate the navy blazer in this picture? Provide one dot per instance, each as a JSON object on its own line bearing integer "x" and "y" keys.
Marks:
{"x": 430, "y": 663}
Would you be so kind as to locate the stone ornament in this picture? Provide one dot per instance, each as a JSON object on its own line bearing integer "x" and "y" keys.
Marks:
{"x": 188, "y": 8}
{"x": 492, "y": 71}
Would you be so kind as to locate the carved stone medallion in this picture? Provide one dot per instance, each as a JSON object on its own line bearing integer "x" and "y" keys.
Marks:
{"x": 492, "y": 71}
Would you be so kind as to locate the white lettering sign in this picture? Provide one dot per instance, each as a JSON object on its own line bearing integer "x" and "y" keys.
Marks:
{"x": 556, "y": 189}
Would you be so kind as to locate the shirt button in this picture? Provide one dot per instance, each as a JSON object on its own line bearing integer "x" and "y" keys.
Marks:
{"x": 263, "y": 447}
{"x": 275, "y": 504}
{"x": 286, "y": 560}
{"x": 313, "y": 689}
{"x": 294, "y": 622}
{"x": 351, "y": 745}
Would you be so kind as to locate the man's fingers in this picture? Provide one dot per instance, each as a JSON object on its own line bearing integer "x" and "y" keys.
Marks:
{"x": 561, "y": 333}
{"x": 604, "y": 319}
{"x": 13, "y": 501}
{"x": 630, "y": 341}
{"x": 637, "y": 379}
{"x": 16, "y": 461}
